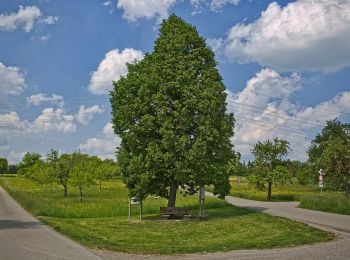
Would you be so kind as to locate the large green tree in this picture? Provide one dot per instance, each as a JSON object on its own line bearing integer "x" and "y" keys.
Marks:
{"x": 170, "y": 112}
{"x": 269, "y": 167}
{"x": 3, "y": 165}
{"x": 330, "y": 150}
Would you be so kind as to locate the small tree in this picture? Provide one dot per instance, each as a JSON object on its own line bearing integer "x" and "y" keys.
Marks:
{"x": 65, "y": 165}
{"x": 268, "y": 164}
{"x": 3, "y": 165}
{"x": 82, "y": 172}
{"x": 335, "y": 160}
{"x": 27, "y": 162}
{"x": 106, "y": 170}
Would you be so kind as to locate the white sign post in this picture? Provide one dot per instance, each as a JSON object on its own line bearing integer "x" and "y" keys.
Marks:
{"x": 135, "y": 201}
{"x": 321, "y": 175}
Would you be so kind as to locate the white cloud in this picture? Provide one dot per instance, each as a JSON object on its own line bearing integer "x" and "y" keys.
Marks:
{"x": 25, "y": 18}
{"x": 304, "y": 35}
{"x": 54, "y": 120}
{"x": 263, "y": 111}
{"x": 138, "y": 9}
{"x": 104, "y": 146}
{"x": 40, "y": 98}
{"x": 12, "y": 81}
{"x": 85, "y": 115}
{"x": 217, "y": 5}
{"x": 111, "y": 68}
{"x": 11, "y": 123}
{"x": 49, "y": 20}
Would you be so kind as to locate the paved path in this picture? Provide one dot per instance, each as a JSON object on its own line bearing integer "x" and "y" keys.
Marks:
{"x": 24, "y": 237}
{"x": 290, "y": 210}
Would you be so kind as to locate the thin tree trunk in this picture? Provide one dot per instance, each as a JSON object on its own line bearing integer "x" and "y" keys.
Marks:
{"x": 172, "y": 194}
{"x": 81, "y": 193}
{"x": 269, "y": 191}
{"x": 100, "y": 185}
{"x": 347, "y": 187}
{"x": 65, "y": 190}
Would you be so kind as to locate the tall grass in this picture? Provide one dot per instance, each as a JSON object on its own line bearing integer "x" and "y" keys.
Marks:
{"x": 112, "y": 201}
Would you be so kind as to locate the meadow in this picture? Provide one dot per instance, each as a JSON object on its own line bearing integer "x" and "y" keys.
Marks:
{"x": 100, "y": 221}
{"x": 309, "y": 195}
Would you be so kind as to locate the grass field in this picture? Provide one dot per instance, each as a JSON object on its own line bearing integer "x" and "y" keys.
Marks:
{"x": 309, "y": 195}
{"x": 101, "y": 222}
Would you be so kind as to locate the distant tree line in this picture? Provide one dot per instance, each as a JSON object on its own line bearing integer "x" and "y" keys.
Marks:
{"x": 75, "y": 169}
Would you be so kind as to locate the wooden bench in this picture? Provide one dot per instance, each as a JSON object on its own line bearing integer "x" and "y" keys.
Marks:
{"x": 170, "y": 212}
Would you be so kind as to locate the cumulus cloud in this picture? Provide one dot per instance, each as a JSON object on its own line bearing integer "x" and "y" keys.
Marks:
{"x": 263, "y": 110}
{"x": 304, "y": 35}
{"x": 111, "y": 68}
{"x": 103, "y": 146}
{"x": 54, "y": 120}
{"x": 147, "y": 9}
{"x": 25, "y": 18}
{"x": 40, "y": 98}
{"x": 86, "y": 114}
{"x": 12, "y": 80}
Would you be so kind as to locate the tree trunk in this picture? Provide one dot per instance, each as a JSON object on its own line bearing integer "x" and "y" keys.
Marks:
{"x": 347, "y": 187}
{"x": 269, "y": 191}
{"x": 81, "y": 193}
{"x": 100, "y": 185}
{"x": 172, "y": 194}
{"x": 65, "y": 190}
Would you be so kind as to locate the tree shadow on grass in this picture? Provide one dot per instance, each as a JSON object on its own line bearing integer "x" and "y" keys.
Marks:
{"x": 16, "y": 224}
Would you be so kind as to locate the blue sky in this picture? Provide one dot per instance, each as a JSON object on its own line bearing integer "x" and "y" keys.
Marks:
{"x": 286, "y": 66}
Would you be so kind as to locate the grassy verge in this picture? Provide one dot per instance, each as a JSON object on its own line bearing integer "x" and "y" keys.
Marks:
{"x": 101, "y": 222}
{"x": 308, "y": 195}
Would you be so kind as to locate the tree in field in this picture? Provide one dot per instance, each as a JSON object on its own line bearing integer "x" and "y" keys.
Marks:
{"x": 106, "y": 170}
{"x": 65, "y": 165}
{"x": 41, "y": 172}
{"x": 3, "y": 165}
{"x": 27, "y": 162}
{"x": 269, "y": 167}
{"x": 82, "y": 172}
{"x": 170, "y": 112}
{"x": 330, "y": 150}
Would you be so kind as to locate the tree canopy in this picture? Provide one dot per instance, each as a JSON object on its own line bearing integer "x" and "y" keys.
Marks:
{"x": 170, "y": 112}
{"x": 268, "y": 164}
{"x": 330, "y": 150}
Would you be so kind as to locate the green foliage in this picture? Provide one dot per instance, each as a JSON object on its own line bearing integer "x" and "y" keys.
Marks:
{"x": 3, "y": 165}
{"x": 82, "y": 172}
{"x": 330, "y": 150}
{"x": 106, "y": 170}
{"x": 27, "y": 162}
{"x": 269, "y": 167}
{"x": 170, "y": 112}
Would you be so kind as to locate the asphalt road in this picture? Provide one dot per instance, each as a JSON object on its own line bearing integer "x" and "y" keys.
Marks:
{"x": 24, "y": 237}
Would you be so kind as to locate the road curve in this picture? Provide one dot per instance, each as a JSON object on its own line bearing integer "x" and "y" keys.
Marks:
{"x": 24, "y": 237}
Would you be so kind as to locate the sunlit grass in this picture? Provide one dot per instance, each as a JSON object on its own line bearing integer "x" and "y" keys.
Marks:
{"x": 101, "y": 221}
{"x": 309, "y": 195}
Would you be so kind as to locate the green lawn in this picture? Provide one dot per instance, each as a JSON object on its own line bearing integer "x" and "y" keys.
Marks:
{"x": 101, "y": 222}
{"x": 309, "y": 195}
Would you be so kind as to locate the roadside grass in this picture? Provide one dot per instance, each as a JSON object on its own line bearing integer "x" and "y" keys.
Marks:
{"x": 101, "y": 222}
{"x": 308, "y": 195}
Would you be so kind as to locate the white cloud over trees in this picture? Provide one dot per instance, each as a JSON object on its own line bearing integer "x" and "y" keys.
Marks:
{"x": 111, "y": 68}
